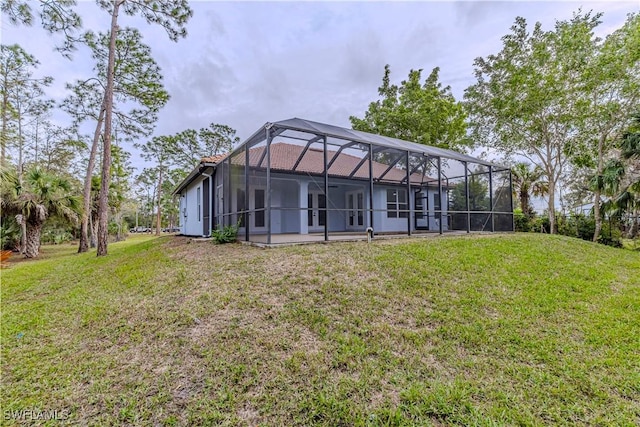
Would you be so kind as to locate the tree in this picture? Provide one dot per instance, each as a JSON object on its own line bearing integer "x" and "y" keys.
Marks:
{"x": 611, "y": 85}
{"x": 194, "y": 145}
{"x": 58, "y": 150}
{"x": 426, "y": 113}
{"x": 146, "y": 191}
{"x": 122, "y": 171}
{"x": 137, "y": 87}
{"x": 56, "y": 17}
{"x": 527, "y": 182}
{"x": 172, "y": 15}
{"x": 217, "y": 139}
{"x": 161, "y": 150}
{"x": 38, "y": 127}
{"x": 170, "y": 205}
{"x": 527, "y": 97}
{"x": 479, "y": 200}
{"x": 620, "y": 178}
{"x": 21, "y": 96}
{"x": 40, "y": 196}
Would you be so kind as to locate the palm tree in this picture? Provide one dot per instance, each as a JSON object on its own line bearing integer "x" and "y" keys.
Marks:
{"x": 40, "y": 196}
{"x": 527, "y": 182}
{"x": 617, "y": 181}
{"x": 629, "y": 198}
{"x": 630, "y": 142}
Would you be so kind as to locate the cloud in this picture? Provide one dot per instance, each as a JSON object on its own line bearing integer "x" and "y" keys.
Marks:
{"x": 245, "y": 63}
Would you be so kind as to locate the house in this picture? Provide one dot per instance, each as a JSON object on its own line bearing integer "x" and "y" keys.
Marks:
{"x": 299, "y": 180}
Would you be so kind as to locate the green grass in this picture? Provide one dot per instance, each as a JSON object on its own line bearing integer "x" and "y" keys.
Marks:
{"x": 518, "y": 329}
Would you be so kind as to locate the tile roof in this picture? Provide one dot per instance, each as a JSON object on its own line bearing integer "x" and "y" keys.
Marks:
{"x": 214, "y": 159}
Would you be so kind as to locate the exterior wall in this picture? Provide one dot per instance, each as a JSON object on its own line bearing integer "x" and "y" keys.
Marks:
{"x": 190, "y": 221}
{"x": 218, "y": 198}
{"x": 285, "y": 195}
{"x": 433, "y": 222}
{"x": 381, "y": 223}
{"x": 289, "y": 205}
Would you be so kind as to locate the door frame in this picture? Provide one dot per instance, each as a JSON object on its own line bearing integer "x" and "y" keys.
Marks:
{"x": 251, "y": 214}
{"x": 206, "y": 206}
{"x": 315, "y": 208}
{"x": 219, "y": 218}
{"x": 424, "y": 212}
{"x": 355, "y": 212}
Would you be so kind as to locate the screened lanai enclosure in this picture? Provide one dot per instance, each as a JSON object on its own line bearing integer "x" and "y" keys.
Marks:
{"x": 298, "y": 180}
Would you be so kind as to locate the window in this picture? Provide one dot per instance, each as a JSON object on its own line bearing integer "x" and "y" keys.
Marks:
{"x": 397, "y": 202}
{"x": 437, "y": 204}
{"x": 419, "y": 198}
{"x": 259, "y": 208}
{"x": 198, "y": 201}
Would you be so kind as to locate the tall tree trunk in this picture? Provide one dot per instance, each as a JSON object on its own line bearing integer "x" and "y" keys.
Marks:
{"x": 86, "y": 192}
{"x": 633, "y": 230}
{"x": 118, "y": 217}
{"x": 93, "y": 227}
{"x": 36, "y": 139}
{"x": 597, "y": 193}
{"x": 32, "y": 248}
{"x": 552, "y": 207}
{"x": 23, "y": 237}
{"x": 20, "y": 167}
{"x": 21, "y": 220}
{"x": 597, "y": 214}
{"x": 5, "y": 119}
{"x": 103, "y": 203}
{"x": 159, "y": 217}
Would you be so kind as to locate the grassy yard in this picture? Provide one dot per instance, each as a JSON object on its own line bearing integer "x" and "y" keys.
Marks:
{"x": 521, "y": 329}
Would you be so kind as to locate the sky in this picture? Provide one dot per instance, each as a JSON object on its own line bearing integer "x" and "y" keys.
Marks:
{"x": 247, "y": 63}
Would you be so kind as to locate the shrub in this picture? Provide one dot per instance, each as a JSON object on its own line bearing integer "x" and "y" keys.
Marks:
{"x": 9, "y": 234}
{"x": 540, "y": 224}
{"x": 581, "y": 226}
{"x": 521, "y": 221}
{"x": 55, "y": 236}
{"x": 227, "y": 234}
{"x": 610, "y": 241}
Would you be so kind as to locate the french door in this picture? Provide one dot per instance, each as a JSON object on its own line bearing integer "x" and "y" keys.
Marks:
{"x": 355, "y": 210}
{"x": 421, "y": 204}
{"x": 316, "y": 210}
{"x": 256, "y": 204}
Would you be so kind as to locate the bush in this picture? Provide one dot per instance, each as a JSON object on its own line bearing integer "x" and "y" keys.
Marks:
{"x": 610, "y": 241}
{"x": 9, "y": 234}
{"x": 55, "y": 236}
{"x": 521, "y": 221}
{"x": 227, "y": 234}
{"x": 540, "y": 224}
{"x": 581, "y": 226}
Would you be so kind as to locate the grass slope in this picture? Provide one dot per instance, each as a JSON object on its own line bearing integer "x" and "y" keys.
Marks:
{"x": 479, "y": 330}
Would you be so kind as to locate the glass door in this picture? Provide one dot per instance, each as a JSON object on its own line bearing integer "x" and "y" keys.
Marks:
{"x": 355, "y": 210}
{"x": 316, "y": 210}
{"x": 422, "y": 209}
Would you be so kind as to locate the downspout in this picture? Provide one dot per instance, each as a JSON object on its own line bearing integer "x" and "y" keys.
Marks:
{"x": 211, "y": 183}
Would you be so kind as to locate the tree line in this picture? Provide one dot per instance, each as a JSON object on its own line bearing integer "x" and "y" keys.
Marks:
{"x": 561, "y": 105}
{"x": 563, "y": 99}
{"x": 42, "y": 163}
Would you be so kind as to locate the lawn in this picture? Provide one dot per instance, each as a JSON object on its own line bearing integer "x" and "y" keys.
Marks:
{"x": 519, "y": 329}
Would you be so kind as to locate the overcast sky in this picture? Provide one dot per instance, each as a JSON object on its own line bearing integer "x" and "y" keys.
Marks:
{"x": 246, "y": 63}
